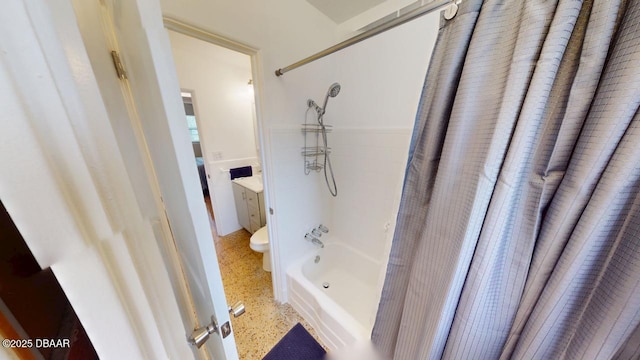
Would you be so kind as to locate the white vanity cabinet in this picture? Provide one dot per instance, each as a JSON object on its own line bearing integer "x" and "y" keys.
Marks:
{"x": 250, "y": 207}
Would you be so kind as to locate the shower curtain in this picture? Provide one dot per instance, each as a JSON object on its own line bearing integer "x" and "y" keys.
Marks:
{"x": 518, "y": 235}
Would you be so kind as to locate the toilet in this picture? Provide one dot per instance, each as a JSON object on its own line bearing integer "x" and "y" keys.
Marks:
{"x": 260, "y": 243}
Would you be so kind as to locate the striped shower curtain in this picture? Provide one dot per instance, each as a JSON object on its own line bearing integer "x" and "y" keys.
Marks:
{"x": 518, "y": 235}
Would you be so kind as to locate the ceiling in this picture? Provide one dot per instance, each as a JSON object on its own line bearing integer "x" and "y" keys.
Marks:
{"x": 342, "y": 10}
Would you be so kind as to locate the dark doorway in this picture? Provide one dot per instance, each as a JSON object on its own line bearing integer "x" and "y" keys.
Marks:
{"x": 33, "y": 306}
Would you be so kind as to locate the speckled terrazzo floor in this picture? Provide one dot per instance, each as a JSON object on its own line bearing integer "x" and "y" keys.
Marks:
{"x": 265, "y": 322}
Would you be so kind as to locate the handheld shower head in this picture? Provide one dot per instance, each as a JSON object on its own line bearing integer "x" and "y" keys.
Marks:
{"x": 333, "y": 91}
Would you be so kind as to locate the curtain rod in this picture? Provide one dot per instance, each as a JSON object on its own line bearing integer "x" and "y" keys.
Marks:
{"x": 413, "y": 14}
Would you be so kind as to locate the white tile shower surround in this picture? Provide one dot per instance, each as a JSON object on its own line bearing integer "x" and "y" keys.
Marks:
{"x": 369, "y": 166}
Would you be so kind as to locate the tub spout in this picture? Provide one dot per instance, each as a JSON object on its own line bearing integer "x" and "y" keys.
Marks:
{"x": 314, "y": 240}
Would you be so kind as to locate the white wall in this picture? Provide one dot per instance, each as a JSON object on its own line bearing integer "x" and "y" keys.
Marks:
{"x": 369, "y": 166}
{"x": 351, "y": 26}
{"x": 373, "y": 116}
{"x": 224, "y": 110}
{"x": 381, "y": 81}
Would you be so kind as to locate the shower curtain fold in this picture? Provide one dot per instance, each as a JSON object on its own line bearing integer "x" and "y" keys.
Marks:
{"x": 518, "y": 234}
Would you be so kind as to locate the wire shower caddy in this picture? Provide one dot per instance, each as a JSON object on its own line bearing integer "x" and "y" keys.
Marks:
{"x": 313, "y": 152}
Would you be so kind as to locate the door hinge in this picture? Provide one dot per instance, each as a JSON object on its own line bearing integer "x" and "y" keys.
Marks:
{"x": 118, "y": 65}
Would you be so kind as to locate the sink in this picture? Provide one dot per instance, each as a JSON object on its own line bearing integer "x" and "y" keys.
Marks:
{"x": 253, "y": 183}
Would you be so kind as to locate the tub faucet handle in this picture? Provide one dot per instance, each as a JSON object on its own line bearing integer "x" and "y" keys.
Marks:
{"x": 316, "y": 232}
{"x": 323, "y": 228}
{"x": 314, "y": 240}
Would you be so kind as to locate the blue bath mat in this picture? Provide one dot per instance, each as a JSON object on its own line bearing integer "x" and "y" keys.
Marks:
{"x": 297, "y": 344}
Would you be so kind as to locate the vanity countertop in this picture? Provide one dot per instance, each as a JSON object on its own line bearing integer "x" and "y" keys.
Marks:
{"x": 253, "y": 183}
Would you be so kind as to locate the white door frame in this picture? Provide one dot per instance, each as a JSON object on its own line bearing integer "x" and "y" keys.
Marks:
{"x": 257, "y": 73}
{"x": 65, "y": 186}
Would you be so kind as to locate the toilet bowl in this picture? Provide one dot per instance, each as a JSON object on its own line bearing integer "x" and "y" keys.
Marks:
{"x": 259, "y": 242}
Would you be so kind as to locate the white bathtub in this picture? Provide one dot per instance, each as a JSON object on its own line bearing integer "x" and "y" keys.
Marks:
{"x": 344, "y": 312}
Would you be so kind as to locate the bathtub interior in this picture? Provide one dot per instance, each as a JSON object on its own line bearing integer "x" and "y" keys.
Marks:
{"x": 347, "y": 277}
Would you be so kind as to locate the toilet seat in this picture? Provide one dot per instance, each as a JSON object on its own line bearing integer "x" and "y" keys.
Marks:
{"x": 260, "y": 240}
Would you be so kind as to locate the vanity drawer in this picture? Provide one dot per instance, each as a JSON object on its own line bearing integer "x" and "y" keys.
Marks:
{"x": 254, "y": 214}
{"x": 254, "y": 227}
{"x": 252, "y": 199}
